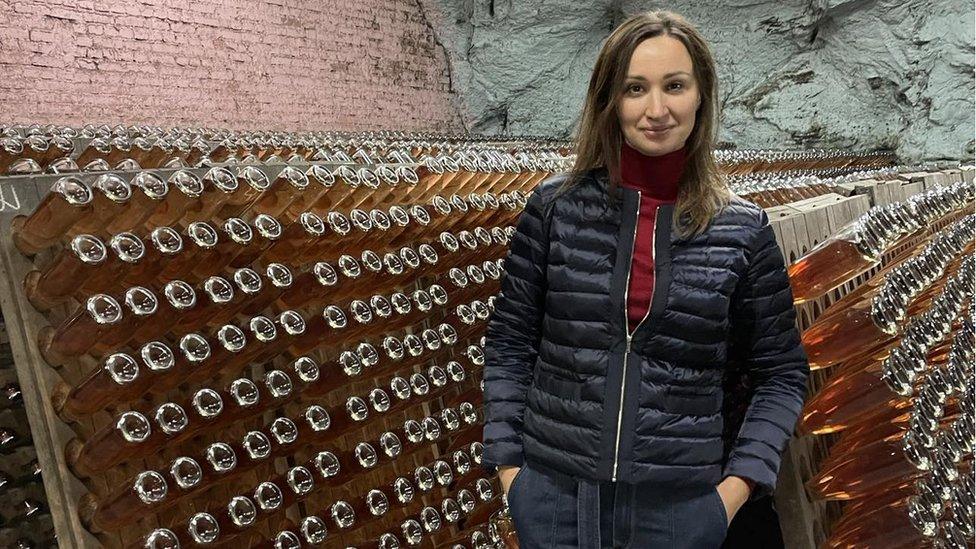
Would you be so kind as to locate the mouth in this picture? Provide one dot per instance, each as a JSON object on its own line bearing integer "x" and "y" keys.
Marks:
{"x": 653, "y": 134}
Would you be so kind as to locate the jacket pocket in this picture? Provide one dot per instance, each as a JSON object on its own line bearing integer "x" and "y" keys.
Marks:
{"x": 696, "y": 401}
{"x": 720, "y": 507}
{"x": 557, "y": 386}
{"x": 515, "y": 482}
{"x": 692, "y": 389}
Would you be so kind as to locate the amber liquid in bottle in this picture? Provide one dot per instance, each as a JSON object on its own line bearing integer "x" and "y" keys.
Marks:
{"x": 838, "y": 260}
{"x": 185, "y": 190}
{"x": 99, "y": 389}
{"x": 278, "y": 280}
{"x": 825, "y": 268}
{"x": 850, "y": 332}
{"x": 853, "y": 394}
{"x": 108, "y": 445}
{"x": 850, "y": 447}
{"x": 79, "y": 332}
{"x": 58, "y": 279}
{"x": 296, "y": 237}
{"x": 854, "y": 510}
{"x": 141, "y": 307}
{"x": 285, "y": 190}
{"x": 164, "y": 244}
{"x": 268, "y": 231}
{"x": 886, "y": 528}
{"x": 219, "y": 187}
{"x": 110, "y": 202}
{"x": 870, "y": 286}
{"x": 148, "y": 489}
{"x": 147, "y": 193}
{"x": 126, "y": 251}
{"x": 68, "y": 202}
{"x": 864, "y": 473}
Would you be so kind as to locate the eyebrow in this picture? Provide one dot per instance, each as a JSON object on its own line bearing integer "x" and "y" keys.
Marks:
{"x": 669, "y": 75}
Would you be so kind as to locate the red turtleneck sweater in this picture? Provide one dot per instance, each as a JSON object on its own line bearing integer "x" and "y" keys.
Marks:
{"x": 656, "y": 177}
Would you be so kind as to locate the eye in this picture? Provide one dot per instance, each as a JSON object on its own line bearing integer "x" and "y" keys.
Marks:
{"x": 634, "y": 88}
{"x": 680, "y": 85}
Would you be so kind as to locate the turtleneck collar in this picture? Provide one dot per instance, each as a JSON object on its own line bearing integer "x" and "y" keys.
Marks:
{"x": 657, "y": 176}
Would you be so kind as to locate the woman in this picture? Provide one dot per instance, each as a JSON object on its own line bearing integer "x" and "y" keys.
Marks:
{"x": 632, "y": 285}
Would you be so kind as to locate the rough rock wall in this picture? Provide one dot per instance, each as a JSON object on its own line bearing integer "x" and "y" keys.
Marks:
{"x": 255, "y": 64}
{"x": 859, "y": 74}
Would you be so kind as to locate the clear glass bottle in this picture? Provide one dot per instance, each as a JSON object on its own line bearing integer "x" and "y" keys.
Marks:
{"x": 69, "y": 200}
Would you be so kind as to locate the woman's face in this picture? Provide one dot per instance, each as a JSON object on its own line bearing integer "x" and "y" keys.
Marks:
{"x": 660, "y": 100}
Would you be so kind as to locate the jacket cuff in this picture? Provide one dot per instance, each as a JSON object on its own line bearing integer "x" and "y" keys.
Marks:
{"x": 501, "y": 453}
{"x": 753, "y": 469}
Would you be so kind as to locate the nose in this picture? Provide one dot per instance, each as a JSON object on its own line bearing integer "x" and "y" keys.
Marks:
{"x": 656, "y": 107}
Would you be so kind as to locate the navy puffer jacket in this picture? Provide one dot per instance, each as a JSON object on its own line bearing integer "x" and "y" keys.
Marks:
{"x": 564, "y": 386}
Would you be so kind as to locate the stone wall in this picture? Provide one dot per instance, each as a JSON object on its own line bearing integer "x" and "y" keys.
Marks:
{"x": 855, "y": 74}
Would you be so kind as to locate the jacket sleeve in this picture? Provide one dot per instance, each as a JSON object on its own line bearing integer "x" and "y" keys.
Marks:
{"x": 765, "y": 339}
{"x": 512, "y": 337}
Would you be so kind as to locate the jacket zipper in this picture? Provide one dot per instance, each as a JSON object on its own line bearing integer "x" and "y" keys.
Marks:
{"x": 623, "y": 379}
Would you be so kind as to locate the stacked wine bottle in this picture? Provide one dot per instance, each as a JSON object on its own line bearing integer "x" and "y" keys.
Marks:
{"x": 274, "y": 343}
{"x": 270, "y": 339}
{"x": 25, "y": 522}
{"x": 898, "y": 405}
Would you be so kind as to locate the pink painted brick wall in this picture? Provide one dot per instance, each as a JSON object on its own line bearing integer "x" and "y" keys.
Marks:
{"x": 248, "y": 64}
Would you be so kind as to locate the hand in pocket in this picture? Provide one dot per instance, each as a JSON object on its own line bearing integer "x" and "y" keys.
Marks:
{"x": 506, "y": 474}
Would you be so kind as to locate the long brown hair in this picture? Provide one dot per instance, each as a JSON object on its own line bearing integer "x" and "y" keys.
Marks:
{"x": 703, "y": 189}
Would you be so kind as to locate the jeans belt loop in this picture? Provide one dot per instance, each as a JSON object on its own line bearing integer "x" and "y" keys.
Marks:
{"x": 588, "y": 513}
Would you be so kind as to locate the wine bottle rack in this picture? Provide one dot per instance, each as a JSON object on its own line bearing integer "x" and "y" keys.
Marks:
{"x": 224, "y": 175}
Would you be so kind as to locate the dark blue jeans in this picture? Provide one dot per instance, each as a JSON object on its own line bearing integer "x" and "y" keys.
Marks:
{"x": 555, "y": 511}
